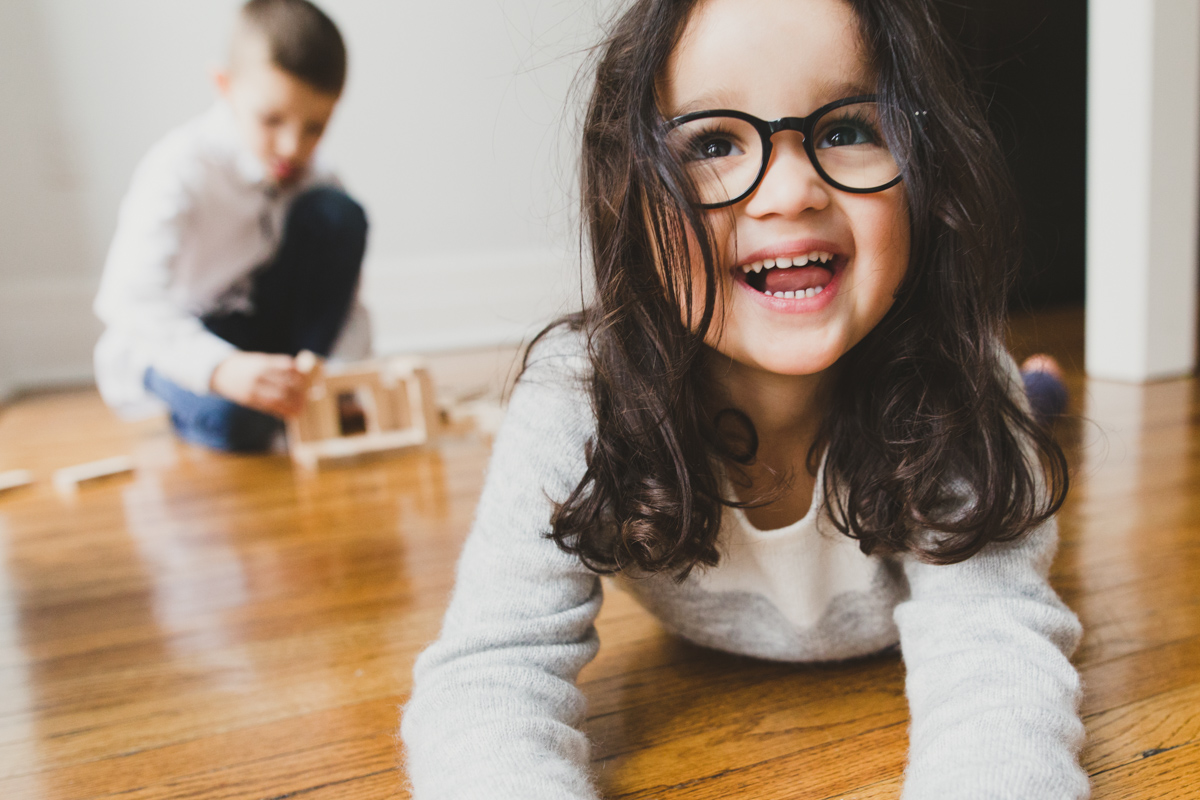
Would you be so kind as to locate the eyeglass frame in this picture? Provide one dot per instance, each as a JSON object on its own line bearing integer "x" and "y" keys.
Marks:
{"x": 802, "y": 125}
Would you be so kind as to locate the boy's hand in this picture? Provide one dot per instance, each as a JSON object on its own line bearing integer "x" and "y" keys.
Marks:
{"x": 263, "y": 381}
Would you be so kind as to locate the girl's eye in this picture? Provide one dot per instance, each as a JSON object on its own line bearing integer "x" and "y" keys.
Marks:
{"x": 717, "y": 142}
{"x": 847, "y": 132}
{"x": 713, "y": 146}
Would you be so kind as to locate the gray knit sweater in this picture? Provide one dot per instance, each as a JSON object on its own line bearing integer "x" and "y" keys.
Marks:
{"x": 495, "y": 712}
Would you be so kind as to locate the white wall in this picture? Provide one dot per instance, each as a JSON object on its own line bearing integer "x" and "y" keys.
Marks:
{"x": 1143, "y": 173}
{"x": 456, "y": 132}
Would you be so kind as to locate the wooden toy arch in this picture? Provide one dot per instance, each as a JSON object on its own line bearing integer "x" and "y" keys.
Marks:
{"x": 362, "y": 407}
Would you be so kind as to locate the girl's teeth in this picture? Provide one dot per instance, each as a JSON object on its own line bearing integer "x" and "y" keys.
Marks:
{"x": 800, "y": 294}
{"x": 787, "y": 261}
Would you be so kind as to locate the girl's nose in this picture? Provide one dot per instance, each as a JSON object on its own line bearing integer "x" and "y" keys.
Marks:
{"x": 791, "y": 184}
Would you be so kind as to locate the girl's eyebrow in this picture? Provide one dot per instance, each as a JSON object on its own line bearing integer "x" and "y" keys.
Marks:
{"x": 826, "y": 92}
{"x": 837, "y": 89}
{"x": 704, "y": 102}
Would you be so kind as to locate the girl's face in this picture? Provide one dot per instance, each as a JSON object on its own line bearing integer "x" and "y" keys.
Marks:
{"x": 786, "y": 58}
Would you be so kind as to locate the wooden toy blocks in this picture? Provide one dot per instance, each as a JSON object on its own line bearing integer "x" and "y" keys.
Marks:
{"x": 360, "y": 408}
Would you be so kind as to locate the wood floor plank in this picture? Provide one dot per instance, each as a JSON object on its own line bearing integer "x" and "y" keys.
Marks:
{"x": 883, "y": 790}
{"x": 1131, "y": 733}
{"x": 1138, "y": 676}
{"x": 163, "y": 764}
{"x": 818, "y": 772}
{"x": 1171, "y": 775}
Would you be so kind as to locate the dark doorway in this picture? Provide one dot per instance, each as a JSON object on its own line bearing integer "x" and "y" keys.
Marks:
{"x": 1032, "y": 58}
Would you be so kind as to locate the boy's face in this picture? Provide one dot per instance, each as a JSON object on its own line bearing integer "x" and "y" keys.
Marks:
{"x": 281, "y": 118}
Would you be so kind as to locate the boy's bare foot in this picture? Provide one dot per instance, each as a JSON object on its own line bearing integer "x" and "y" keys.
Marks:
{"x": 1041, "y": 362}
{"x": 1044, "y": 387}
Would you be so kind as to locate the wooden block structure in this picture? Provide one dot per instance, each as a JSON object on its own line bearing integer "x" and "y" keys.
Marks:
{"x": 362, "y": 407}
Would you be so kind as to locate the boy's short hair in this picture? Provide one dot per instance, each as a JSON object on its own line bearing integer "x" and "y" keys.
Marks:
{"x": 300, "y": 39}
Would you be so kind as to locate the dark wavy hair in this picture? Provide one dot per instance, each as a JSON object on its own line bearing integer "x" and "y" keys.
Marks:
{"x": 929, "y": 448}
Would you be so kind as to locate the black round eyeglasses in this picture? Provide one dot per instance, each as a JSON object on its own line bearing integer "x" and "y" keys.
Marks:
{"x": 725, "y": 153}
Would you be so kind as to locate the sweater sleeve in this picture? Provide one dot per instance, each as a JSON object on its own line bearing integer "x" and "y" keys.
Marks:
{"x": 992, "y": 693}
{"x": 135, "y": 290}
{"x": 494, "y": 711}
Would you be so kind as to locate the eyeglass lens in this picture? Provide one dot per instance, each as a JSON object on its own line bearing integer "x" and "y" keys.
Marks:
{"x": 724, "y": 155}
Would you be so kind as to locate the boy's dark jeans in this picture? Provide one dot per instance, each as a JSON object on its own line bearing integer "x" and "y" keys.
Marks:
{"x": 300, "y": 300}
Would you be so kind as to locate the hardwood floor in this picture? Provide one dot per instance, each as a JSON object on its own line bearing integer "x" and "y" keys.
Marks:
{"x": 219, "y": 626}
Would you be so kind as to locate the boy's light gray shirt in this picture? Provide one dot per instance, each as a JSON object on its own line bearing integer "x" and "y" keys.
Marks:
{"x": 495, "y": 712}
{"x": 199, "y": 217}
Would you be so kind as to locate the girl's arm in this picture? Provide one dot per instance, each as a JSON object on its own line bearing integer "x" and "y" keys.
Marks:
{"x": 992, "y": 694}
{"x": 495, "y": 712}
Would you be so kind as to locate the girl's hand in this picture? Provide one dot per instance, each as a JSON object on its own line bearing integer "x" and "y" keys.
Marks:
{"x": 263, "y": 381}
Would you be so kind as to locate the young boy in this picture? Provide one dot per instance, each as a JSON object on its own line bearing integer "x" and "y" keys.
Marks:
{"x": 235, "y": 249}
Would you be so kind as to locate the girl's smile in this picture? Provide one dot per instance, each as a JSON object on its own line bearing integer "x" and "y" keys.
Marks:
{"x": 812, "y": 268}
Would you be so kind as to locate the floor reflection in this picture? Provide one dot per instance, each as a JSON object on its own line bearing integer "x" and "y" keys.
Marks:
{"x": 224, "y": 599}
{"x": 1135, "y": 517}
{"x": 18, "y": 750}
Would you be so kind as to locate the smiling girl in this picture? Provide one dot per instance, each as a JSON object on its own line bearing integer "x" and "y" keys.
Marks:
{"x": 787, "y": 423}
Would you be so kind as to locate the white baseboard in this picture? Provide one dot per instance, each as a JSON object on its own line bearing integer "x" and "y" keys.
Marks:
{"x": 418, "y": 304}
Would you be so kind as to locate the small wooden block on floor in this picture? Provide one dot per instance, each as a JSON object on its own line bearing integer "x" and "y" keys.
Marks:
{"x": 15, "y": 478}
{"x": 67, "y": 479}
